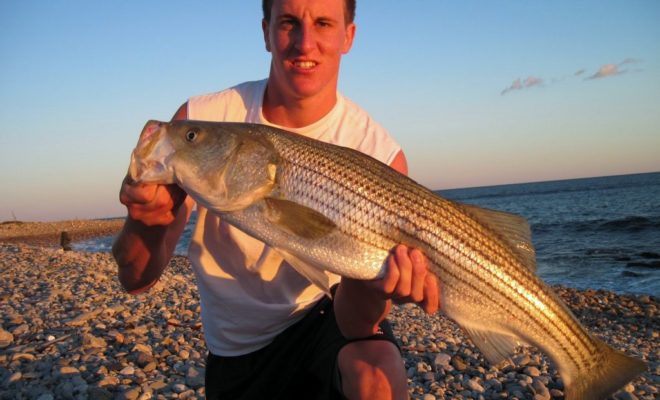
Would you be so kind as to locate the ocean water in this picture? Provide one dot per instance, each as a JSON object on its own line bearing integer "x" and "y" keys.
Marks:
{"x": 598, "y": 233}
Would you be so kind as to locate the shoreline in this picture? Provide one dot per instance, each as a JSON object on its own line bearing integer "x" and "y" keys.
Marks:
{"x": 47, "y": 234}
{"x": 68, "y": 330}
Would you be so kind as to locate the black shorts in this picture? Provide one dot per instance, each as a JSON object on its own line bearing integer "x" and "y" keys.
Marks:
{"x": 301, "y": 363}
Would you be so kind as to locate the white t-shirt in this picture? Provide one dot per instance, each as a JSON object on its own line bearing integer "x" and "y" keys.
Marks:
{"x": 248, "y": 293}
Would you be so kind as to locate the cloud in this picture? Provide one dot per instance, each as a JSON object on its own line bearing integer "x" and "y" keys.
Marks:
{"x": 608, "y": 70}
{"x": 605, "y": 71}
{"x": 517, "y": 84}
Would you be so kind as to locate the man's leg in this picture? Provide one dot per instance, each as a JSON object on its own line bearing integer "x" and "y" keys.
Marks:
{"x": 372, "y": 369}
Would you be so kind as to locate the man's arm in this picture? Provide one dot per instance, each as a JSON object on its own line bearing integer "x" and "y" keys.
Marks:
{"x": 157, "y": 215}
{"x": 361, "y": 305}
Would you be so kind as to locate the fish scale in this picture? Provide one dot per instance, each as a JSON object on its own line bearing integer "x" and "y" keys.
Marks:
{"x": 328, "y": 208}
{"x": 324, "y": 177}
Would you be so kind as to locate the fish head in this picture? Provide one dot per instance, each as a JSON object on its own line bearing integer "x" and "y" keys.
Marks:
{"x": 219, "y": 164}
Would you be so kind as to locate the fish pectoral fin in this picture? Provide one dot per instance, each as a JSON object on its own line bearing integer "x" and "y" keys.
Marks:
{"x": 313, "y": 274}
{"x": 511, "y": 228}
{"x": 298, "y": 219}
{"x": 496, "y": 347}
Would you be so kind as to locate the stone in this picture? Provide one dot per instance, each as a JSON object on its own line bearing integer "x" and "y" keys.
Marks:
{"x": 142, "y": 359}
{"x": 458, "y": 363}
{"x": 98, "y": 393}
{"x": 6, "y": 338}
{"x": 158, "y": 385}
{"x": 15, "y": 377}
{"x": 475, "y": 386}
{"x": 623, "y": 395}
{"x": 92, "y": 341}
{"x": 131, "y": 394}
{"x": 82, "y": 319}
{"x": 108, "y": 381}
{"x": 194, "y": 378}
{"x": 179, "y": 388}
{"x": 442, "y": 359}
{"x": 21, "y": 330}
{"x": 150, "y": 367}
{"x": 128, "y": 370}
{"x": 67, "y": 370}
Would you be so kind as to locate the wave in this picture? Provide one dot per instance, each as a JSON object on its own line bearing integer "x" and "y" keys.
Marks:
{"x": 628, "y": 224}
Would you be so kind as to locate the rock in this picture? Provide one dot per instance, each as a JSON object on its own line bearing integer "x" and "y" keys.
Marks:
{"x": 46, "y": 396}
{"x": 82, "y": 319}
{"x": 6, "y": 338}
{"x": 128, "y": 370}
{"x": 21, "y": 330}
{"x": 442, "y": 359}
{"x": 92, "y": 341}
{"x": 142, "y": 359}
{"x": 428, "y": 397}
{"x": 458, "y": 363}
{"x": 179, "y": 388}
{"x": 131, "y": 394}
{"x": 475, "y": 386}
{"x": 108, "y": 381}
{"x": 194, "y": 378}
{"x": 532, "y": 371}
{"x": 66, "y": 370}
{"x": 150, "y": 367}
{"x": 15, "y": 377}
{"x": 139, "y": 347}
{"x": 98, "y": 393}
{"x": 623, "y": 395}
{"x": 158, "y": 385}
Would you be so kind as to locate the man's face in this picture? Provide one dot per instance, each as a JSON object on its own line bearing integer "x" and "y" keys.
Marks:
{"x": 307, "y": 39}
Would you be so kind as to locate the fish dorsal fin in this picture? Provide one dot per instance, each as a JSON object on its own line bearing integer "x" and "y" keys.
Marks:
{"x": 298, "y": 219}
{"x": 496, "y": 347}
{"x": 313, "y": 274}
{"x": 511, "y": 228}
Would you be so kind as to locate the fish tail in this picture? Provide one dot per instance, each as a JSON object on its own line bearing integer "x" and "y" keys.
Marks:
{"x": 614, "y": 370}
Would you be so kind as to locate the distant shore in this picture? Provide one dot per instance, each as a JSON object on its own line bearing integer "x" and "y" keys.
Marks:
{"x": 48, "y": 234}
{"x": 68, "y": 330}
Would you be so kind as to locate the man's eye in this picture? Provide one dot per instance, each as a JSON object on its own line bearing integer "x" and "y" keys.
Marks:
{"x": 287, "y": 24}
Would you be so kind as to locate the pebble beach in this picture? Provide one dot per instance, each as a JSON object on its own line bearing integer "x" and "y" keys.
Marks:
{"x": 69, "y": 331}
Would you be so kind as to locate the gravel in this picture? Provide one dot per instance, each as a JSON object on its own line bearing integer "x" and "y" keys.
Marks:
{"x": 68, "y": 331}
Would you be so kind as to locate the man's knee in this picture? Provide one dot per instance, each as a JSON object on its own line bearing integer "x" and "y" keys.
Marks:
{"x": 372, "y": 369}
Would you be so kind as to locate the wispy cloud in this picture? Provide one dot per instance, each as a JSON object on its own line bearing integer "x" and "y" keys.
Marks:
{"x": 609, "y": 70}
{"x": 606, "y": 70}
{"x": 519, "y": 84}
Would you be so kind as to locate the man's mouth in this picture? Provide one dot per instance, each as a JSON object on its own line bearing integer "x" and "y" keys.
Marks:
{"x": 304, "y": 64}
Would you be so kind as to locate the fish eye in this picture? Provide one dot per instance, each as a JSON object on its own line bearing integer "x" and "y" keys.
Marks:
{"x": 191, "y": 136}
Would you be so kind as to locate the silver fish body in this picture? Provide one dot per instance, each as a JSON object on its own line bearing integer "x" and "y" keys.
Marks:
{"x": 328, "y": 208}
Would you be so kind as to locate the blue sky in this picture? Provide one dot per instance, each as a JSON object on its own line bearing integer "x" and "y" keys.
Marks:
{"x": 477, "y": 93}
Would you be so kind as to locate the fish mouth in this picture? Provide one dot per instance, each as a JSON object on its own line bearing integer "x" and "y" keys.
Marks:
{"x": 150, "y": 160}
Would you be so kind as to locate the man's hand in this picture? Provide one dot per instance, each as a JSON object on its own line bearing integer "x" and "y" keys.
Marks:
{"x": 361, "y": 305}
{"x": 151, "y": 204}
{"x": 408, "y": 280}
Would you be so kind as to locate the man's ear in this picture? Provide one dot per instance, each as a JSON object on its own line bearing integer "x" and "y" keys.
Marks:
{"x": 348, "y": 40}
{"x": 265, "y": 30}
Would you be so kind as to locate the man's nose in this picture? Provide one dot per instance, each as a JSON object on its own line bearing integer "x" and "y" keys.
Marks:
{"x": 305, "y": 40}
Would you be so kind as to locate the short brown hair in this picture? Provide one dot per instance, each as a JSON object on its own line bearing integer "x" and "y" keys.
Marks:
{"x": 349, "y": 10}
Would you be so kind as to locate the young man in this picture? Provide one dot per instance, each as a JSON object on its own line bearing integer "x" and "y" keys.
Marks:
{"x": 270, "y": 333}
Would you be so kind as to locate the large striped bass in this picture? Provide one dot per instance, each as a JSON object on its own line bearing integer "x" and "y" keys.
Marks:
{"x": 329, "y": 208}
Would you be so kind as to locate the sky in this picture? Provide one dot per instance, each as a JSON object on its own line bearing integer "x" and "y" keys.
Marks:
{"x": 477, "y": 92}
